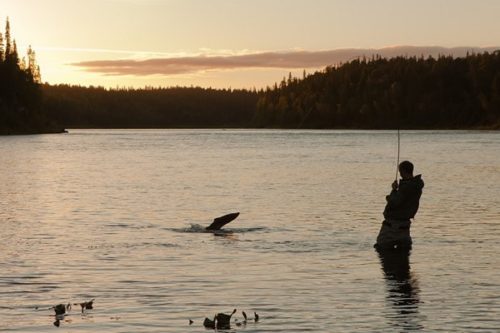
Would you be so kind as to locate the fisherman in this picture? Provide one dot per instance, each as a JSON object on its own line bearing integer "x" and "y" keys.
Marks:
{"x": 402, "y": 205}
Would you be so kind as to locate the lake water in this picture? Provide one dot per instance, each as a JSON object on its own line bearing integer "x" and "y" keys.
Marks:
{"x": 112, "y": 215}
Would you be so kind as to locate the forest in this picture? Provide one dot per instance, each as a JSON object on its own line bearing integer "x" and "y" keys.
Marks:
{"x": 375, "y": 93}
{"x": 366, "y": 93}
{"x": 378, "y": 93}
{"x": 179, "y": 107}
{"x": 20, "y": 93}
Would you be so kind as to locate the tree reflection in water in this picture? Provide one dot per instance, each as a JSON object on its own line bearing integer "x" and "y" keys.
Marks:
{"x": 402, "y": 290}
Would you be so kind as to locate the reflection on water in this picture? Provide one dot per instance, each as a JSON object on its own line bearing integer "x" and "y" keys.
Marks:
{"x": 402, "y": 289}
{"x": 120, "y": 216}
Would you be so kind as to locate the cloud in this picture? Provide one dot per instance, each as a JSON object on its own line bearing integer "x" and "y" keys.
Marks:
{"x": 294, "y": 59}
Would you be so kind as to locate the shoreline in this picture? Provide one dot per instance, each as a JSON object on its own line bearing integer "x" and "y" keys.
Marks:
{"x": 65, "y": 130}
{"x": 32, "y": 132}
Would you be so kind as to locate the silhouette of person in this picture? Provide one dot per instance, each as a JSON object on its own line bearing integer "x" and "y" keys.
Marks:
{"x": 402, "y": 205}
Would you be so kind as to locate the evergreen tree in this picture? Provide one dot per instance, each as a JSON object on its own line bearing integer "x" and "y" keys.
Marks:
{"x": 8, "y": 43}
{"x": 445, "y": 92}
{"x": 2, "y": 48}
{"x": 31, "y": 66}
{"x": 14, "y": 56}
{"x": 20, "y": 94}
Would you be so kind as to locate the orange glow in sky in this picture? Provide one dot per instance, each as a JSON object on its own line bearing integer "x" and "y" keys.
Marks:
{"x": 232, "y": 43}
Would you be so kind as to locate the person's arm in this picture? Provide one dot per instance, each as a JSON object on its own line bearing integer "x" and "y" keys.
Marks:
{"x": 394, "y": 186}
{"x": 397, "y": 195}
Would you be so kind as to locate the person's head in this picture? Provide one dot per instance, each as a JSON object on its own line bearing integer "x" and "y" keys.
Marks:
{"x": 406, "y": 169}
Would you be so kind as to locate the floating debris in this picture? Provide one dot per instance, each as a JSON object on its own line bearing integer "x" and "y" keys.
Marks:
{"x": 86, "y": 305}
{"x": 224, "y": 320}
{"x": 209, "y": 323}
{"x": 191, "y": 322}
{"x": 60, "y": 309}
{"x": 244, "y": 322}
{"x": 256, "y": 318}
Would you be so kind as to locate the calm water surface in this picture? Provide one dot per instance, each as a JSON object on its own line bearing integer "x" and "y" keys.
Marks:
{"x": 109, "y": 214}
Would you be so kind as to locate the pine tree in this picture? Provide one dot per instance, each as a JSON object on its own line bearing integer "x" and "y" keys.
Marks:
{"x": 32, "y": 68}
{"x": 2, "y": 49}
{"x": 14, "y": 56}
{"x": 37, "y": 75}
{"x": 20, "y": 94}
{"x": 8, "y": 44}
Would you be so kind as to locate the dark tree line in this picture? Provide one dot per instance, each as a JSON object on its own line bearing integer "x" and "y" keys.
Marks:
{"x": 366, "y": 93}
{"x": 97, "y": 107}
{"x": 386, "y": 93}
{"x": 20, "y": 94}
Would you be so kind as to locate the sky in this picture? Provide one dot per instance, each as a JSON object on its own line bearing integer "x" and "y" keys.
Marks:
{"x": 235, "y": 43}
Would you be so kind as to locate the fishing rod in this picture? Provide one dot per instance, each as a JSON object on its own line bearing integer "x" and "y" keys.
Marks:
{"x": 399, "y": 149}
{"x": 394, "y": 91}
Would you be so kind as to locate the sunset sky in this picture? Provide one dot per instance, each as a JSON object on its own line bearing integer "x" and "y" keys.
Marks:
{"x": 235, "y": 43}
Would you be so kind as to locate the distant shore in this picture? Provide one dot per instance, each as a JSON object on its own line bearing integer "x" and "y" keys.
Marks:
{"x": 58, "y": 130}
{"x": 5, "y": 132}
{"x": 478, "y": 128}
